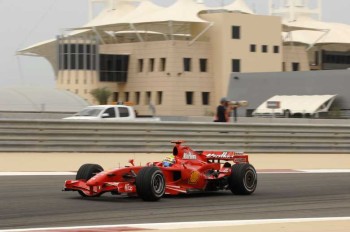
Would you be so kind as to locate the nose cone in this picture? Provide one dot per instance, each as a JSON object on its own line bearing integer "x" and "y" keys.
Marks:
{"x": 99, "y": 179}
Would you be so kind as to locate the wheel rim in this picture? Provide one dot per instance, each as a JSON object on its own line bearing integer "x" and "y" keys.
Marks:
{"x": 158, "y": 184}
{"x": 249, "y": 180}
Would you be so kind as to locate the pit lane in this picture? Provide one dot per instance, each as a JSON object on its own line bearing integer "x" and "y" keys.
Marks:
{"x": 37, "y": 201}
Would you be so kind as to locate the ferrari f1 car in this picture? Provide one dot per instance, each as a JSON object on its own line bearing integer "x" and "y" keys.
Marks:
{"x": 192, "y": 171}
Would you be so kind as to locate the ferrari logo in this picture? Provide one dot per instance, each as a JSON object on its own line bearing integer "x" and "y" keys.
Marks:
{"x": 194, "y": 177}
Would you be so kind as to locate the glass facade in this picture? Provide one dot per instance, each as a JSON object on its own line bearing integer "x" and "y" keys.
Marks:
{"x": 77, "y": 56}
{"x": 114, "y": 68}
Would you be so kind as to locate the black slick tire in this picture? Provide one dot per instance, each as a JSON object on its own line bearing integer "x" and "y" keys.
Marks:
{"x": 243, "y": 179}
{"x": 150, "y": 184}
{"x": 87, "y": 171}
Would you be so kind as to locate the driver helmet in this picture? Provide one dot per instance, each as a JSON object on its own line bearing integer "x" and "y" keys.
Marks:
{"x": 169, "y": 161}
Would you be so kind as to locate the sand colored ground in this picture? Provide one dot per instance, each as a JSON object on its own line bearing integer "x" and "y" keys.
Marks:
{"x": 326, "y": 226}
{"x": 11, "y": 162}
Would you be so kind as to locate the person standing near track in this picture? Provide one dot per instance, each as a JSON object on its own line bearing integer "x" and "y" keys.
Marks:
{"x": 222, "y": 114}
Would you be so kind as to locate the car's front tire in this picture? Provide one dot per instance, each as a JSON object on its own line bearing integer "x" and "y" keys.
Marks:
{"x": 243, "y": 179}
{"x": 87, "y": 171}
{"x": 150, "y": 183}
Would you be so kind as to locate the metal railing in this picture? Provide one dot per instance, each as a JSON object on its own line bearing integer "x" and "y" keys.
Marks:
{"x": 89, "y": 136}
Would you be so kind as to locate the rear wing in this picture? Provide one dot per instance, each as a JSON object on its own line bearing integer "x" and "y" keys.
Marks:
{"x": 236, "y": 157}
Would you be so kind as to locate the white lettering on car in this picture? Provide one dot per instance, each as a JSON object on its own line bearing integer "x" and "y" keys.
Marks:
{"x": 189, "y": 156}
{"x": 224, "y": 155}
{"x": 128, "y": 188}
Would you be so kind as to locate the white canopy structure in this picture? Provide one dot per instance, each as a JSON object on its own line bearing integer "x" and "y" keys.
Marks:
{"x": 295, "y": 104}
{"x": 145, "y": 8}
{"x": 302, "y": 24}
{"x": 180, "y": 11}
{"x": 139, "y": 16}
{"x": 239, "y": 6}
{"x": 311, "y": 31}
{"x": 112, "y": 15}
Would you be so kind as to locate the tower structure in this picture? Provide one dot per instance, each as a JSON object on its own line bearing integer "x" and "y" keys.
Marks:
{"x": 291, "y": 10}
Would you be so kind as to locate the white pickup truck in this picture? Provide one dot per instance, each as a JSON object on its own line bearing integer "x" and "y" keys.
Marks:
{"x": 110, "y": 113}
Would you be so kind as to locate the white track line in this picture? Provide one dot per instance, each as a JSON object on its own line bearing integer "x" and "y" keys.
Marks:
{"x": 187, "y": 225}
{"x": 36, "y": 173}
{"x": 326, "y": 170}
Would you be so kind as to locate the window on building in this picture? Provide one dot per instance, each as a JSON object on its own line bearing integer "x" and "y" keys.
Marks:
{"x": 137, "y": 98}
{"x": 148, "y": 98}
{"x": 317, "y": 60}
{"x": 187, "y": 64}
{"x": 162, "y": 64}
{"x": 295, "y": 66}
{"x": 253, "y": 48}
{"x": 189, "y": 98}
{"x": 115, "y": 96}
{"x": 341, "y": 59}
{"x": 236, "y": 65}
{"x": 140, "y": 65}
{"x": 151, "y": 65}
{"x": 126, "y": 96}
{"x": 205, "y": 98}
{"x": 123, "y": 112}
{"x": 276, "y": 49}
{"x": 77, "y": 56}
{"x": 159, "y": 97}
{"x": 264, "y": 48}
{"x": 236, "y": 32}
{"x": 114, "y": 68}
{"x": 203, "y": 65}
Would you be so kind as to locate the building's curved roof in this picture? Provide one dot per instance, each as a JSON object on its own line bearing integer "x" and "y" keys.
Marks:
{"x": 38, "y": 99}
{"x": 310, "y": 31}
{"x": 112, "y": 16}
{"x": 180, "y": 11}
{"x": 145, "y": 8}
{"x": 239, "y": 6}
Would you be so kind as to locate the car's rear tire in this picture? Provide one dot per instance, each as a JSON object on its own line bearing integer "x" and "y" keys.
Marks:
{"x": 243, "y": 179}
{"x": 87, "y": 171}
{"x": 150, "y": 183}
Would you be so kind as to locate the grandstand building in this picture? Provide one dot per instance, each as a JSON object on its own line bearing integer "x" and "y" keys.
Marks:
{"x": 178, "y": 59}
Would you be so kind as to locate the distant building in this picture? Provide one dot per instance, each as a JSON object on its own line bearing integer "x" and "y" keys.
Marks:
{"x": 39, "y": 99}
{"x": 177, "y": 58}
{"x": 326, "y": 44}
{"x": 256, "y": 88}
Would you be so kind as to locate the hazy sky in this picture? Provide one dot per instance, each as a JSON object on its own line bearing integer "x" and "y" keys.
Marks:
{"x": 26, "y": 22}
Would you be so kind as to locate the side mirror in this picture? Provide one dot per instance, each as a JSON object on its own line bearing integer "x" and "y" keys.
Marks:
{"x": 105, "y": 115}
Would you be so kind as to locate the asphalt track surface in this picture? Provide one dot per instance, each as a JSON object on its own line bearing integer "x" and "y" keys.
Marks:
{"x": 37, "y": 201}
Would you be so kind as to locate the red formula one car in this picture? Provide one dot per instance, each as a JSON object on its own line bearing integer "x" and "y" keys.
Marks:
{"x": 191, "y": 171}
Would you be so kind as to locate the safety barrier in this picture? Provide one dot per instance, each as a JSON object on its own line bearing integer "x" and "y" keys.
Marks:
{"x": 89, "y": 136}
